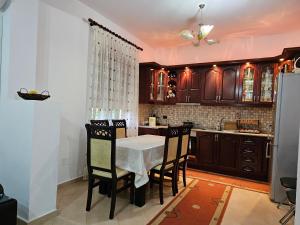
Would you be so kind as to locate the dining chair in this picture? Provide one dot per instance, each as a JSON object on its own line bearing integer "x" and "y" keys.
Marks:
{"x": 183, "y": 156}
{"x": 101, "y": 164}
{"x": 170, "y": 161}
{"x": 104, "y": 123}
{"x": 121, "y": 129}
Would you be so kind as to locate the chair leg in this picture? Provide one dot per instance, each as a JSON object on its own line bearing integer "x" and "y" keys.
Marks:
{"x": 174, "y": 181}
{"x": 113, "y": 199}
{"x": 90, "y": 193}
{"x": 184, "y": 173}
{"x": 287, "y": 216}
{"x": 161, "y": 188}
{"x": 132, "y": 189}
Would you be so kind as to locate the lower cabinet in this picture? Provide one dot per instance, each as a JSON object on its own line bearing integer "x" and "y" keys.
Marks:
{"x": 153, "y": 131}
{"x": 235, "y": 155}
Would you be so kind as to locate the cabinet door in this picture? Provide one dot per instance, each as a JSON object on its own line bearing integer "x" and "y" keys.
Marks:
{"x": 144, "y": 84}
{"x": 161, "y": 83}
{"x": 227, "y": 152}
{"x": 265, "y": 87}
{"x": 210, "y": 86}
{"x": 248, "y": 84}
{"x": 206, "y": 148}
{"x": 182, "y": 86}
{"x": 194, "y": 92}
{"x": 228, "y": 91}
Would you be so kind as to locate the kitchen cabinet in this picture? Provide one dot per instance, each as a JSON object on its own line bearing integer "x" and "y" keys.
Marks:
{"x": 188, "y": 86}
{"x": 231, "y": 154}
{"x": 257, "y": 84}
{"x": 152, "y": 131}
{"x": 144, "y": 84}
{"x": 227, "y": 152}
{"x": 220, "y": 85}
{"x": 206, "y": 144}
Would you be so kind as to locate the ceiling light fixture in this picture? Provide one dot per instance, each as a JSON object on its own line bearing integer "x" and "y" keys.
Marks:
{"x": 202, "y": 34}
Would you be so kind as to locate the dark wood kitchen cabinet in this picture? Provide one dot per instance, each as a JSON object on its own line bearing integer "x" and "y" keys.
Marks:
{"x": 257, "y": 84}
{"x": 144, "y": 83}
{"x": 220, "y": 85}
{"x": 188, "y": 86}
{"x": 236, "y": 155}
{"x": 227, "y": 152}
{"x": 206, "y": 146}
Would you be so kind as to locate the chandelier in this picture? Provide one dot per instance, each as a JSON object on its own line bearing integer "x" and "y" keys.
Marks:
{"x": 202, "y": 33}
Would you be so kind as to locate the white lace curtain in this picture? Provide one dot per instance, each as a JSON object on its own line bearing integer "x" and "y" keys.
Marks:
{"x": 113, "y": 79}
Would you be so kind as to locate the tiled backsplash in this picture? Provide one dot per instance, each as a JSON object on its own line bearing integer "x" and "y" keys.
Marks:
{"x": 206, "y": 116}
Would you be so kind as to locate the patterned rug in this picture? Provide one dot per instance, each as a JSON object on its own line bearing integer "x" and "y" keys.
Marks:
{"x": 201, "y": 202}
{"x": 257, "y": 186}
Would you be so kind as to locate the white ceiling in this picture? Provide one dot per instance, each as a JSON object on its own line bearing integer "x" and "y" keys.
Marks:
{"x": 158, "y": 22}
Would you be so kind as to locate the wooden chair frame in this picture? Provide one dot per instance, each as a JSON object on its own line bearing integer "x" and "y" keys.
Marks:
{"x": 104, "y": 123}
{"x": 168, "y": 168}
{"x": 106, "y": 133}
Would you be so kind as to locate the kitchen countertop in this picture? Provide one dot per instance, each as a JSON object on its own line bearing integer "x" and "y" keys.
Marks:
{"x": 234, "y": 132}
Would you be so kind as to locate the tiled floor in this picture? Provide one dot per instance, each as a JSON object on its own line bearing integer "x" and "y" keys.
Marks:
{"x": 72, "y": 200}
{"x": 245, "y": 208}
{"x": 252, "y": 208}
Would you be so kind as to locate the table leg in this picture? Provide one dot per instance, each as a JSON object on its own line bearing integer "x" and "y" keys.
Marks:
{"x": 140, "y": 196}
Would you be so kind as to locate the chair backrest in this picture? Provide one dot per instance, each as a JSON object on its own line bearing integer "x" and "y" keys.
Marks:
{"x": 104, "y": 123}
{"x": 121, "y": 129}
{"x": 185, "y": 140}
{"x": 101, "y": 149}
{"x": 172, "y": 145}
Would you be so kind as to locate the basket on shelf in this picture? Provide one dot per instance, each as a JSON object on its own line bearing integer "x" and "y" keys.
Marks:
{"x": 33, "y": 96}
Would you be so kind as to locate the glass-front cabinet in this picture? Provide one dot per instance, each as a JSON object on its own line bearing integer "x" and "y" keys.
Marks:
{"x": 248, "y": 82}
{"x": 152, "y": 80}
{"x": 266, "y": 83}
{"x": 160, "y": 91}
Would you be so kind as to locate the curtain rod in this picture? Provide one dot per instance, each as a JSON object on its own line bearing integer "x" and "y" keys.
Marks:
{"x": 94, "y": 23}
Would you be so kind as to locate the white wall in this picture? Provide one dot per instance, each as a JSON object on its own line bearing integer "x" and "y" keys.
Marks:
{"x": 62, "y": 69}
{"x": 63, "y": 38}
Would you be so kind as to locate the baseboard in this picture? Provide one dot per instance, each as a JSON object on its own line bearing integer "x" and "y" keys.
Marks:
{"x": 39, "y": 220}
{"x": 66, "y": 183}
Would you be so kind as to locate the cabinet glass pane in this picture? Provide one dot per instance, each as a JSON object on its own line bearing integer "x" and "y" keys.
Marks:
{"x": 248, "y": 85}
{"x": 266, "y": 85}
{"x": 152, "y": 86}
{"x": 161, "y": 86}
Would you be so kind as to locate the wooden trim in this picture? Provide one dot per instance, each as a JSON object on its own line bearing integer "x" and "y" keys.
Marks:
{"x": 69, "y": 182}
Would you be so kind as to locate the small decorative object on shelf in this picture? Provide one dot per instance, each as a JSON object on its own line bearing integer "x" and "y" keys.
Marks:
{"x": 33, "y": 94}
{"x": 171, "y": 89}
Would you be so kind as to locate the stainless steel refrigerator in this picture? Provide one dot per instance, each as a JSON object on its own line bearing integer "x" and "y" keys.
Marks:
{"x": 286, "y": 132}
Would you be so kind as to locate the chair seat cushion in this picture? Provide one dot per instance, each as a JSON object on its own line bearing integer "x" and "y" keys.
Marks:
{"x": 289, "y": 182}
{"x": 120, "y": 173}
{"x": 168, "y": 166}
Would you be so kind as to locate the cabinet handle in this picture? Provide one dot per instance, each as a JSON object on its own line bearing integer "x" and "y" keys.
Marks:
{"x": 189, "y": 98}
{"x": 268, "y": 155}
{"x": 254, "y": 98}
{"x": 217, "y": 98}
{"x": 185, "y": 98}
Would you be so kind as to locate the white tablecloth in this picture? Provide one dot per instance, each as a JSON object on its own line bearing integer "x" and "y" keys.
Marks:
{"x": 139, "y": 154}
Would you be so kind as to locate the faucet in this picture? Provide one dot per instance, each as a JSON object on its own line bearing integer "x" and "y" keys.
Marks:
{"x": 220, "y": 124}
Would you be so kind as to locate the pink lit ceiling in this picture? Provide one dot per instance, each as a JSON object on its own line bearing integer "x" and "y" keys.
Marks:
{"x": 158, "y": 22}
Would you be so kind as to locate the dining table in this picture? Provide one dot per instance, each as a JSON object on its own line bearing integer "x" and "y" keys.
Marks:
{"x": 139, "y": 154}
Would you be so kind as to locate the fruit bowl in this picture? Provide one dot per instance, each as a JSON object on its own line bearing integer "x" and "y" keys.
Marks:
{"x": 33, "y": 95}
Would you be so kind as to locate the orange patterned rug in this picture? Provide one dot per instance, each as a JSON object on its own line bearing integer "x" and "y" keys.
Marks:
{"x": 202, "y": 203}
{"x": 228, "y": 180}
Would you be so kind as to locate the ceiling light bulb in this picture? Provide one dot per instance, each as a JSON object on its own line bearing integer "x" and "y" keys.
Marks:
{"x": 204, "y": 30}
{"x": 281, "y": 60}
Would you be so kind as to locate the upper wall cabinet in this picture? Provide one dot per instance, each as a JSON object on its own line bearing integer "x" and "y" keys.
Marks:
{"x": 257, "y": 84}
{"x": 188, "y": 86}
{"x": 220, "y": 85}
